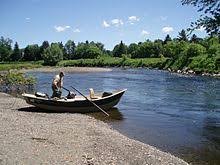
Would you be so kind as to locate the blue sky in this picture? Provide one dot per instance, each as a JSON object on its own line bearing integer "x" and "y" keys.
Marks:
{"x": 106, "y": 21}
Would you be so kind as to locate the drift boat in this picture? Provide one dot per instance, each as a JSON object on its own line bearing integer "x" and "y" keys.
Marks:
{"x": 105, "y": 100}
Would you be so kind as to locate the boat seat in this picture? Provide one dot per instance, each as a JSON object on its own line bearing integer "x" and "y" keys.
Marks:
{"x": 44, "y": 95}
{"x": 105, "y": 94}
{"x": 92, "y": 94}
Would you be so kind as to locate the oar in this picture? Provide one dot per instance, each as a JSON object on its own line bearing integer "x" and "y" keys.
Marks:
{"x": 90, "y": 101}
{"x": 66, "y": 89}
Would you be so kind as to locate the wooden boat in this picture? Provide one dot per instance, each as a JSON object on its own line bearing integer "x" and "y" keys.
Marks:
{"x": 105, "y": 100}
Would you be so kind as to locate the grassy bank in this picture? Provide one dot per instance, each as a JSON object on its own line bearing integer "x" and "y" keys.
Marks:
{"x": 20, "y": 65}
{"x": 115, "y": 62}
{"x": 199, "y": 64}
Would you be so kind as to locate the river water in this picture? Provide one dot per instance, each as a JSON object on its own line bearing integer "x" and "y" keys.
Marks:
{"x": 175, "y": 113}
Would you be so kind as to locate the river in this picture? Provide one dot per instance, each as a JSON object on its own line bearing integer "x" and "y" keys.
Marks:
{"x": 175, "y": 113}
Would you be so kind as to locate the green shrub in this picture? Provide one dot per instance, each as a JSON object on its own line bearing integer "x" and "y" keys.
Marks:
{"x": 195, "y": 50}
{"x": 52, "y": 55}
{"x": 14, "y": 78}
{"x": 214, "y": 50}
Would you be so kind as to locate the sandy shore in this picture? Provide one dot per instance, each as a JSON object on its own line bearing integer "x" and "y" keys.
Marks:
{"x": 28, "y": 137}
{"x": 68, "y": 69}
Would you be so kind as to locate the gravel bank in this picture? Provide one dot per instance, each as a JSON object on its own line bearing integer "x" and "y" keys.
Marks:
{"x": 68, "y": 69}
{"x": 61, "y": 138}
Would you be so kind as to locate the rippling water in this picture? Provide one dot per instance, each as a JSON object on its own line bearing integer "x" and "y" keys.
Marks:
{"x": 176, "y": 113}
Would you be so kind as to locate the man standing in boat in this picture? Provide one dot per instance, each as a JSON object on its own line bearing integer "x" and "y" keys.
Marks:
{"x": 57, "y": 84}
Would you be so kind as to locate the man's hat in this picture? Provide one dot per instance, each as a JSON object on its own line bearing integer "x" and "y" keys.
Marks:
{"x": 62, "y": 73}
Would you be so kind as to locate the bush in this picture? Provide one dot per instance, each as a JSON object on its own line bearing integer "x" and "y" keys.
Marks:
{"x": 195, "y": 50}
{"x": 52, "y": 55}
{"x": 13, "y": 78}
{"x": 173, "y": 49}
{"x": 205, "y": 63}
{"x": 214, "y": 50}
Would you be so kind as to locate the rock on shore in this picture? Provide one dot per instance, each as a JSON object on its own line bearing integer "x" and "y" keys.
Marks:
{"x": 29, "y": 137}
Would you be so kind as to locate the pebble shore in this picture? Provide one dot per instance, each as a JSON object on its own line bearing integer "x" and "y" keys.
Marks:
{"x": 68, "y": 69}
{"x": 30, "y": 137}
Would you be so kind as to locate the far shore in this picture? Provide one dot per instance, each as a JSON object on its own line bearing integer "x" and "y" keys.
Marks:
{"x": 107, "y": 69}
{"x": 68, "y": 69}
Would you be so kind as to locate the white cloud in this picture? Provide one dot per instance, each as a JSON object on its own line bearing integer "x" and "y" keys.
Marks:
{"x": 167, "y": 29}
{"x": 105, "y": 24}
{"x": 144, "y": 32}
{"x": 27, "y": 18}
{"x": 61, "y": 28}
{"x": 201, "y": 29}
{"x": 117, "y": 22}
{"x": 133, "y": 19}
{"x": 76, "y": 31}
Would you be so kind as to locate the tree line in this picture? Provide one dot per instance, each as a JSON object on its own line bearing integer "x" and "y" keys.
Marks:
{"x": 52, "y": 53}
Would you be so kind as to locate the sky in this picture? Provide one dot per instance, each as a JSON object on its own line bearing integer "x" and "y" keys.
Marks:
{"x": 108, "y": 21}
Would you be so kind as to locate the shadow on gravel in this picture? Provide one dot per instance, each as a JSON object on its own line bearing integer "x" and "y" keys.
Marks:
{"x": 35, "y": 109}
{"x": 114, "y": 113}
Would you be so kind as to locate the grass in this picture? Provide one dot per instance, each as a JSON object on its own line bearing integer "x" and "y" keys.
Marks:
{"x": 115, "y": 62}
{"x": 20, "y": 65}
{"x": 200, "y": 64}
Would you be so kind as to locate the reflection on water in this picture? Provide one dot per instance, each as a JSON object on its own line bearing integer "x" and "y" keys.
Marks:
{"x": 176, "y": 113}
{"x": 114, "y": 115}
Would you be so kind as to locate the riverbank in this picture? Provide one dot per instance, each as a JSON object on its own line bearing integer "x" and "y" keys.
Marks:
{"x": 104, "y": 64}
{"x": 193, "y": 73}
{"x": 68, "y": 69}
{"x": 30, "y": 137}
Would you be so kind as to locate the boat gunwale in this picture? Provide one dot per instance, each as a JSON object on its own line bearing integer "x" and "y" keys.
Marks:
{"x": 26, "y": 95}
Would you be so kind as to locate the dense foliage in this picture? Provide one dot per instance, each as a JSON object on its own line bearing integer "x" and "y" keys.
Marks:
{"x": 210, "y": 17}
{"x": 5, "y": 49}
{"x": 16, "y": 78}
{"x": 182, "y": 53}
{"x": 52, "y": 55}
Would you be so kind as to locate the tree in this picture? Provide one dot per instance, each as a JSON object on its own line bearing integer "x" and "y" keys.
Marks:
{"x": 16, "y": 55}
{"x": 61, "y": 47}
{"x": 86, "y": 50}
{"x": 44, "y": 46}
{"x": 32, "y": 53}
{"x": 182, "y": 36}
{"x": 158, "y": 48}
{"x": 210, "y": 17}
{"x": 167, "y": 39}
{"x": 93, "y": 52}
{"x": 5, "y": 49}
{"x": 69, "y": 48}
{"x": 195, "y": 50}
{"x": 173, "y": 49}
{"x": 194, "y": 39}
{"x": 214, "y": 50}
{"x": 52, "y": 55}
{"x": 119, "y": 50}
{"x": 147, "y": 49}
{"x": 100, "y": 46}
{"x": 132, "y": 48}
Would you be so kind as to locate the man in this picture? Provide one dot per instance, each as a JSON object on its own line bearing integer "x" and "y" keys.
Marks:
{"x": 57, "y": 85}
